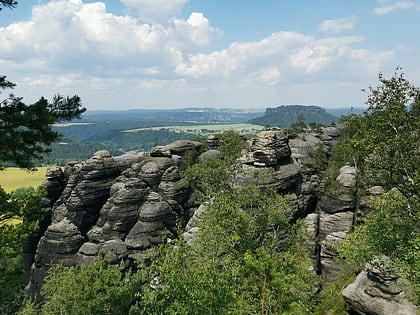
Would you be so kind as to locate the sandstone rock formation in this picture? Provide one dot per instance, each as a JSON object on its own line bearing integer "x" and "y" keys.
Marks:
{"x": 377, "y": 291}
{"x": 124, "y": 206}
{"x": 337, "y": 209}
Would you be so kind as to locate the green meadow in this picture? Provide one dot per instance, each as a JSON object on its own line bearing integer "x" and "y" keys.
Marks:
{"x": 12, "y": 178}
{"x": 206, "y": 129}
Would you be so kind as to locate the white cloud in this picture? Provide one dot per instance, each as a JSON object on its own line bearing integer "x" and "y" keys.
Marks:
{"x": 81, "y": 48}
{"x": 270, "y": 76}
{"x": 156, "y": 10}
{"x": 195, "y": 31}
{"x": 400, "y": 5}
{"x": 72, "y": 34}
{"x": 291, "y": 54}
{"x": 338, "y": 25}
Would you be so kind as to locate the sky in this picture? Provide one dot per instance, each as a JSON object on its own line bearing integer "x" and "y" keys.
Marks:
{"x": 250, "y": 54}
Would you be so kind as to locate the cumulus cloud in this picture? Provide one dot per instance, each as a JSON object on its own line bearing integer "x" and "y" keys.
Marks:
{"x": 400, "y": 5}
{"x": 76, "y": 47}
{"x": 338, "y": 25}
{"x": 289, "y": 54}
{"x": 84, "y": 36}
{"x": 270, "y": 76}
{"x": 156, "y": 10}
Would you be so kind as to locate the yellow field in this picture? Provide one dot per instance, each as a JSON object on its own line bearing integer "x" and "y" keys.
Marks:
{"x": 12, "y": 178}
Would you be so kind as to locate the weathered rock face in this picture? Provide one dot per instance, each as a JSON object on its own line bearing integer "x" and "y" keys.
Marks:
{"x": 329, "y": 245}
{"x": 192, "y": 225}
{"x": 59, "y": 245}
{"x": 377, "y": 291}
{"x": 126, "y": 205}
{"x": 268, "y": 148}
{"x": 54, "y": 185}
{"x": 122, "y": 206}
{"x": 87, "y": 190}
{"x": 337, "y": 209}
{"x": 267, "y": 162}
{"x": 312, "y": 225}
{"x": 301, "y": 146}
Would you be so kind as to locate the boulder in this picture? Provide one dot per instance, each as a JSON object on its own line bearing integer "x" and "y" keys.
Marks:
{"x": 267, "y": 149}
{"x": 338, "y": 202}
{"x": 347, "y": 176}
{"x": 286, "y": 178}
{"x": 87, "y": 254}
{"x": 160, "y": 151}
{"x": 59, "y": 244}
{"x": 179, "y": 147}
{"x": 377, "y": 291}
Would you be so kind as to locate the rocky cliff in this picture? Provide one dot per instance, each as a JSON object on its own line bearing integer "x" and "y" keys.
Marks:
{"x": 284, "y": 116}
{"x": 126, "y": 205}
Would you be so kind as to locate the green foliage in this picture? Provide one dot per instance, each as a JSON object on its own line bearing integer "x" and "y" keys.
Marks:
{"x": 24, "y": 204}
{"x": 211, "y": 176}
{"x": 69, "y": 150}
{"x": 191, "y": 157}
{"x": 97, "y": 289}
{"x": 316, "y": 127}
{"x": 391, "y": 229}
{"x": 246, "y": 259}
{"x": 384, "y": 142}
{"x": 25, "y": 130}
{"x": 318, "y": 158}
{"x": 330, "y": 299}
{"x": 299, "y": 125}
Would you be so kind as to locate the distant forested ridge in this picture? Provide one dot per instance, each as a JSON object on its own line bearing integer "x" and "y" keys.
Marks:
{"x": 99, "y": 130}
{"x": 105, "y": 129}
{"x": 116, "y": 142}
{"x": 283, "y": 116}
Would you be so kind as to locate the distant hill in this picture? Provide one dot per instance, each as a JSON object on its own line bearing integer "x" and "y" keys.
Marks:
{"x": 283, "y": 116}
{"x": 165, "y": 117}
{"x": 345, "y": 111}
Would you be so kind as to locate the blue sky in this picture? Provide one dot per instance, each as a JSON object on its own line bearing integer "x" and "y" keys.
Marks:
{"x": 207, "y": 53}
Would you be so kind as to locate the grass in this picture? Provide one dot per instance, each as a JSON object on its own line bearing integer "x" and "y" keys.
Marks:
{"x": 12, "y": 178}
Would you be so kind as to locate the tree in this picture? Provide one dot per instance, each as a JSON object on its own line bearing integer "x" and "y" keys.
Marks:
{"x": 13, "y": 230}
{"x": 8, "y": 4}
{"x": 25, "y": 130}
{"x": 246, "y": 259}
{"x": 99, "y": 288}
{"x": 213, "y": 175}
{"x": 299, "y": 125}
{"x": 384, "y": 142}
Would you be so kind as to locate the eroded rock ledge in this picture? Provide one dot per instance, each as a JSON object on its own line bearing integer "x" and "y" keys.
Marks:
{"x": 378, "y": 291}
{"x": 125, "y": 205}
